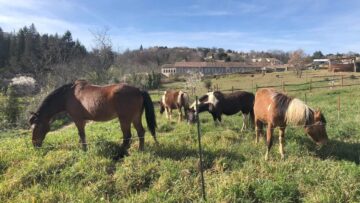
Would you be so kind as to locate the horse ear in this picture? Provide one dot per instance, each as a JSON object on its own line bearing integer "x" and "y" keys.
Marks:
{"x": 317, "y": 115}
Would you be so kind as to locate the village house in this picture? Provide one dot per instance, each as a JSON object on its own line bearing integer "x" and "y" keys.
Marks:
{"x": 208, "y": 68}
{"x": 267, "y": 61}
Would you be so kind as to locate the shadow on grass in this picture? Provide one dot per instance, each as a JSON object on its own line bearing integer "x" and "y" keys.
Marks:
{"x": 182, "y": 152}
{"x": 111, "y": 150}
{"x": 336, "y": 149}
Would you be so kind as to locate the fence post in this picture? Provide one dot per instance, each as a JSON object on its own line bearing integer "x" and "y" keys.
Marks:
{"x": 256, "y": 87}
{"x": 339, "y": 107}
{"x": 200, "y": 152}
{"x": 232, "y": 89}
{"x": 305, "y": 98}
{"x": 342, "y": 80}
{"x": 310, "y": 85}
{"x": 283, "y": 86}
{"x": 252, "y": 85}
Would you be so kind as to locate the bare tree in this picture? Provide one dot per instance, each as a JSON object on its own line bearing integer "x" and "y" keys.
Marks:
{"x": 298, "y": 61}
{"x": 102, "y": 56}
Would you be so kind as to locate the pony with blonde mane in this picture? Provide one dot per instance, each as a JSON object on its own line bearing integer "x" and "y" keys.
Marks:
{"x": 276, "y": 109}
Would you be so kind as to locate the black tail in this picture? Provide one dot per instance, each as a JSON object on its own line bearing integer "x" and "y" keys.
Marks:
{"x": 149, "y": 113}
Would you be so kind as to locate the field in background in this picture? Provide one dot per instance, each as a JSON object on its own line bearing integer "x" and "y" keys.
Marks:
{"x": 235, "y": 166}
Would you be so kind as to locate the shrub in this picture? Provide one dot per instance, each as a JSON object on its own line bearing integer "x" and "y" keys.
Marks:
{"x": 207, "y": 84}
{"x": 12, "y": 108}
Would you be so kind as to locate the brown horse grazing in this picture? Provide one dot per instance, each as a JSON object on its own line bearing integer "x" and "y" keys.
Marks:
{"x": 173, "y": 99}
{"x": 278, "y": 110}
{"x": 217, "y": 103}
{"x": 83, "y": 102}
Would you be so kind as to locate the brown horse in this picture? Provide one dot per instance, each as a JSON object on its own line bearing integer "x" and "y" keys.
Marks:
{"x": 278, "y": 110}
{"x": 83, "y": 102}
{"x": 173, "y": 99}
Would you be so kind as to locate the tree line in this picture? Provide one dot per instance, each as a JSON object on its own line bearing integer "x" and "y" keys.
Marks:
{"x": 47, "y": 55}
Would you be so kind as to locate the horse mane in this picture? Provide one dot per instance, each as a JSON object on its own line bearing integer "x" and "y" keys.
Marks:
{"x": 55, "y": 95}
{"x": 298, "y": 113}
{"x": 218, "y": 94}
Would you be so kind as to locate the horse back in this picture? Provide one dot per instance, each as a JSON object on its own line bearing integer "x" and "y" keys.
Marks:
{"x": 238, "y": 101}
{"x": 266, "y": 109}
{"x": 101, "y": 103}
{"x": 172, "y": 98}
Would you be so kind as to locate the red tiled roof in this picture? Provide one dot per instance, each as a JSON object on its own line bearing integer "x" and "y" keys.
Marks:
{"x": 212, "y": 65}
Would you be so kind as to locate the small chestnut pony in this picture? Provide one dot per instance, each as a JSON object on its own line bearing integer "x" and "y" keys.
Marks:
{"x": 83, "y": 101}
{"x": 279, "y": 110}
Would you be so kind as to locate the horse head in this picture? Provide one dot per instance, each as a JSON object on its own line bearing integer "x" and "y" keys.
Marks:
{"x": 317, "y": 130}
{"x": 39, "y": 129}
{"x": 191, "y": 115}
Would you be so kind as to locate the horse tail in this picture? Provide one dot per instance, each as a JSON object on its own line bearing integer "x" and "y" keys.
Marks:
{"x": 149, "y": 113}
{"x": 185, "y": 100}
{"x": 252, "y": 114}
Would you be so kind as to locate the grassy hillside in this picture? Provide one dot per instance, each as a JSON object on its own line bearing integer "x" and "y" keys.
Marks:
{"x": 235, "y": 166}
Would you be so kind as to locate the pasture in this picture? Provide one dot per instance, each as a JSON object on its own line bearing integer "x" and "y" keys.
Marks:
{"x": 235, "y": 169}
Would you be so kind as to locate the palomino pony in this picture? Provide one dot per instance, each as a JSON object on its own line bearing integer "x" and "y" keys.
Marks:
{"x": 278, "y": 110}
{"x": 217, "y": 103}
{"x": 83, "y": 102}
{"x": 173, "y": 99}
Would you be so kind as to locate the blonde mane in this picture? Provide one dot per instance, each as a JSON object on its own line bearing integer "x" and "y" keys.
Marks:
{"x": 297, "y": 113}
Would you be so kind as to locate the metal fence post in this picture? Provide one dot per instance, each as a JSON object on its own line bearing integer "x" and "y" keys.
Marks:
{"x": 200, "y": 152}
{"x": 339, "y": 107}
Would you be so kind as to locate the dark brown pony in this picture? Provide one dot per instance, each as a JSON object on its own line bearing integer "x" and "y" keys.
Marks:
{"x": 83, "y": 102}
{"x": 278, "y": 110}
{"x": 173, "y": 99}
{"x": 218, "y": 103}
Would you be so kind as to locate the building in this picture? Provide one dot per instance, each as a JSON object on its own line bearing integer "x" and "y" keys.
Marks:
{"x": 209, "y": 68}
{"x": 344, "y": 64}
{"x": 267, "y": 61}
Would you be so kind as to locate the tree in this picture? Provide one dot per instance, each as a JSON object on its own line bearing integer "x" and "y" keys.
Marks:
{"x": 298, "y": 61}
{"x": 102, "y": 56}
{"x": 318, "y": 55}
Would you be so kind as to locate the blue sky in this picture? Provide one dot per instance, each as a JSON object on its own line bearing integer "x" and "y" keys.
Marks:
{"x": 326, "y": 25}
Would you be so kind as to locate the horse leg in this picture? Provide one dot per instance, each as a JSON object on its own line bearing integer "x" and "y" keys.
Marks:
{"x": 259, "y": 130}
{"x": 167, "y": 112}
{"x": 244, "y": 124}
{"x": 126, "y": 130}
{"x": 180, "y": 114}
{"x": 81, "y": 131}
{"x": 140, "y": 131}
{"x": 281, "y": 142}
{"x": 269, "y": 140}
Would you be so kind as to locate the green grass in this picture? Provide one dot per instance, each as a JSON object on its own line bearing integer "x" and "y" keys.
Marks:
{"x": 235, "y": 170}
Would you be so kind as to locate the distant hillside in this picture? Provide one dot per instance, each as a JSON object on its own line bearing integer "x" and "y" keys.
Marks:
{"x": 154, "y": 57}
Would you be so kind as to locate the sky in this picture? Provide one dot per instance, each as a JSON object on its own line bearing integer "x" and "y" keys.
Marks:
{"x": 326, "y": 25}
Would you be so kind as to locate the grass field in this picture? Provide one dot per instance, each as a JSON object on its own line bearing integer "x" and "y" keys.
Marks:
{"x": 235, "y": 170}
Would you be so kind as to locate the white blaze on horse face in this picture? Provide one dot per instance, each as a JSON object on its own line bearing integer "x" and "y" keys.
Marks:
{"x": 32, "y": 127}
{"x": 212, "y": 99}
